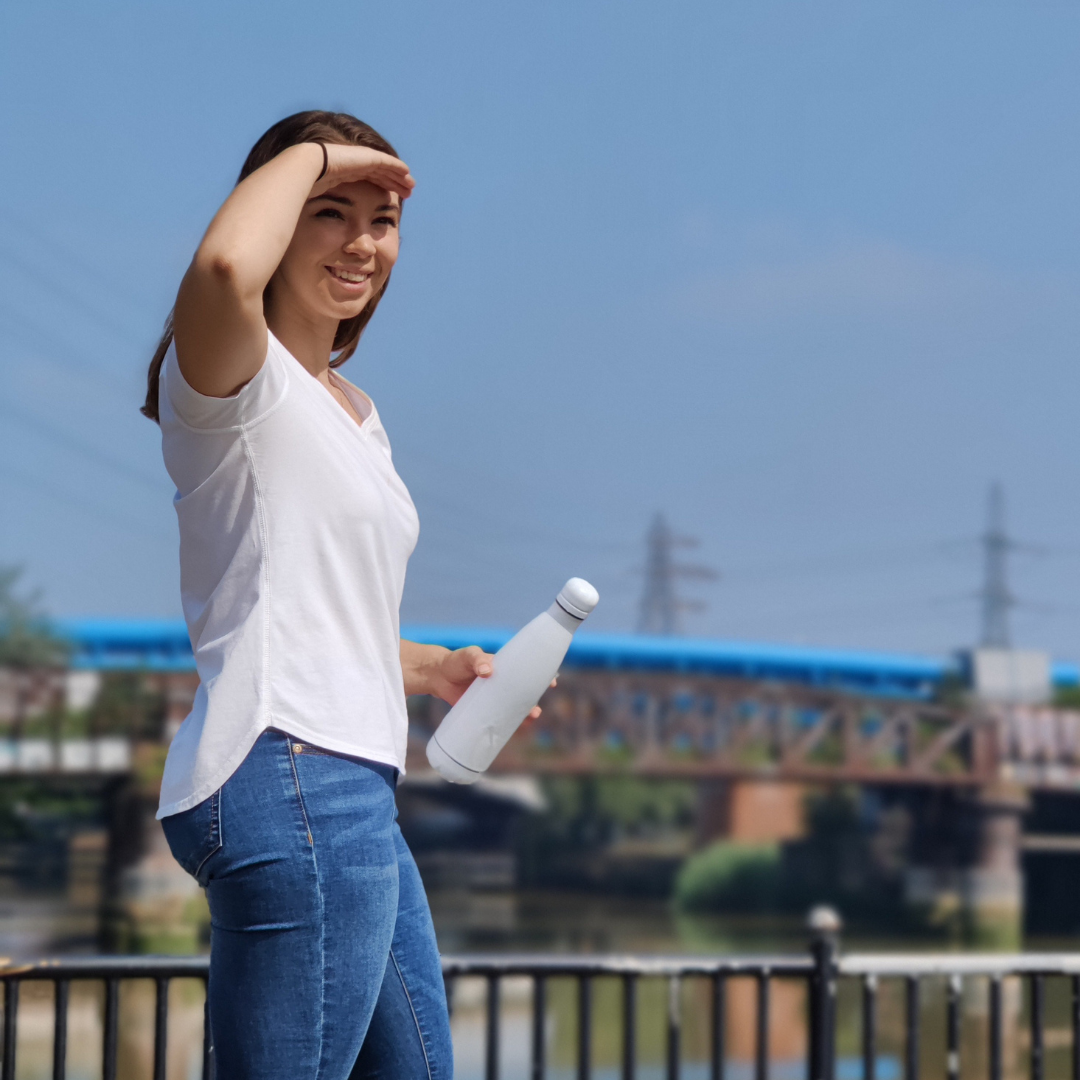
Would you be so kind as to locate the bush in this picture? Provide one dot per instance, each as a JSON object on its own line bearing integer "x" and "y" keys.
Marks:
{"x": 731, "y": 876}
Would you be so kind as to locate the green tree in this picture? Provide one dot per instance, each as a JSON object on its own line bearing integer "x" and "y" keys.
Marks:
{"x": 26, "y": 638}
{"x": 29, "y": 649}
{"x": 1067, "y": 697}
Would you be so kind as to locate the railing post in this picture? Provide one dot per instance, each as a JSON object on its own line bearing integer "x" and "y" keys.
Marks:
{"x": 629, "y": 1027}
{"x": 11, "y": 1009}
{"x": 584, "y": 1033}
{"x": 674, "y": 1027}
{"x": 491, "y": 1064}
{"x": 718, "y": 1049}
{"x": 824, "y": 924}
{"x": 539, "y": 1032}
{"x": 62, "y": 996}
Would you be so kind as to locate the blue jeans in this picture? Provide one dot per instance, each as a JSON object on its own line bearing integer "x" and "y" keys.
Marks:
{"x": 323, "y": 962}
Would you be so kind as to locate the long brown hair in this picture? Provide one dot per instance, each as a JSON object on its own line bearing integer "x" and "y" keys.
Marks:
{"x": 312, "y": 126}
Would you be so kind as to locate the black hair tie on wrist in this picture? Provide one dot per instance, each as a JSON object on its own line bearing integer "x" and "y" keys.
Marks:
{"x": 325, "y": 159}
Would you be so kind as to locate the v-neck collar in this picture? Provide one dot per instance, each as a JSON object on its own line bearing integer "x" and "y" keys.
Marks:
{"x": 364, "y": 406}
{"x": 361, "y": 403}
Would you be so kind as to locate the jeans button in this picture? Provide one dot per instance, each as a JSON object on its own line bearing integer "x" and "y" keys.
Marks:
{"x": 298, "y": 748}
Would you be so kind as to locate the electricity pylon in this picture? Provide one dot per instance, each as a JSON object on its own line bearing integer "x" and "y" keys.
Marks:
{"x": 995, "y": 595}
{"x": 661, "y": 607}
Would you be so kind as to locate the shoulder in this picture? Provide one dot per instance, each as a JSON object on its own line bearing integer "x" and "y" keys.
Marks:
{"x": 182, "y": 403}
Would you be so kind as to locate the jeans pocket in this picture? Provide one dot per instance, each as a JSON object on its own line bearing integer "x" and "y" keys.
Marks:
{"x": 194, "y": 835}
{"x": 310, "y": 750}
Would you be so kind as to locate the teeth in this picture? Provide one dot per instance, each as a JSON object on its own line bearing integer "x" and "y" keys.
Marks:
{"x": 346, "y": 275}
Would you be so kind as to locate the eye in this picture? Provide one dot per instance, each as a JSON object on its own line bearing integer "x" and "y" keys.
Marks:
{"x": 330, "y": 212}
{"x": 386, "y": 220}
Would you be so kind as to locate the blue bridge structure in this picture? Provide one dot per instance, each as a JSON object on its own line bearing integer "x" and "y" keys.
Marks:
{"x": 162, "y": 645}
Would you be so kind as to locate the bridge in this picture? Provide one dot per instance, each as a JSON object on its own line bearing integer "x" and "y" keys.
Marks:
{"x": 706, "y": 709}
{"x": 737, "y": 718}
{"x": 162, "y": 645}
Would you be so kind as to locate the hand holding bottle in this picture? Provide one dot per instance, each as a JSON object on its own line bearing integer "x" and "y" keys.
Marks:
{"x": 493, "y": 707}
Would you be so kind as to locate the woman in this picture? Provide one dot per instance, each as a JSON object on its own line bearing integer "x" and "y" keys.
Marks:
{"x": 278, "y": 792}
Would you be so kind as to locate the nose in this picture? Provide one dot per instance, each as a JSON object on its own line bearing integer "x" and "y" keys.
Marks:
{"x": 361, "y": 245}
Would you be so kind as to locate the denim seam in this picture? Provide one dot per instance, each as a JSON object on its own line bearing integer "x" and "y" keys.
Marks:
{"x": 300, "y": 796}
{"x": 318, "y": 888}
{"x": 412, "y": 1009}
{"x": 215, "y": 830}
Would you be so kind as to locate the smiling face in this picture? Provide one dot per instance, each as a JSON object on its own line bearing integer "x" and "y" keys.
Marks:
{"x": 342, "y": 252}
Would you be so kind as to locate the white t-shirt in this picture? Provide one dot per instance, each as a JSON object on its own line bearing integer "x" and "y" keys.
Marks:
{"x": 295, "y": 531}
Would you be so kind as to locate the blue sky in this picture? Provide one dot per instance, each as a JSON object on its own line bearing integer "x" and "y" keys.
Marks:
{"x": 805, "y": 277}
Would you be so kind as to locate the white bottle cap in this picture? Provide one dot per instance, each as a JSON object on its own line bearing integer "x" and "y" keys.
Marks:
{"x": 578, "y": 598}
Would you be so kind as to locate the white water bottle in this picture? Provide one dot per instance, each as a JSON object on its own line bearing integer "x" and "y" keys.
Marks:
{"x": 492, "y": 709}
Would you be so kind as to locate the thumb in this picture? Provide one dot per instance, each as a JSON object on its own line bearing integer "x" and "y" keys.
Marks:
{"x": 475, "y": 661}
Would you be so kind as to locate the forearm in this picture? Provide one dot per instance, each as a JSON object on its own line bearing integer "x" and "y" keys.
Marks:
{"x": 250, "y": 233}
{"x": 420, "y": 665}
{"x": 219, "y": 324}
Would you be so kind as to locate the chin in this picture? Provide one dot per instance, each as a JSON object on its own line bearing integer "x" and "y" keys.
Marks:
{"x": 346, "y": 308}
{"x": 350, "y": 311}
{"x": 339, "y": 310}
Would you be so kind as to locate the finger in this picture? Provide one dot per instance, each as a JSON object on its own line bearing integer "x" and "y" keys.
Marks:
{"x": 478, "y": 661}
{"x": 534, "y": 714}
{"x": 391, "y": 162}
{"x": 384, "y": 171}
{"x": 392, "y": 184}
{"x": 389, "y": 167}
{"x": 379, "y": 159}
{"x": 401, "y": 176}
{"x": 555, "y": 682}
{"x": 397, "y": 177}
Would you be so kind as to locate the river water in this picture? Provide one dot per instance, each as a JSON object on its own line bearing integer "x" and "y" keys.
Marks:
{"x": 569, "y": 923}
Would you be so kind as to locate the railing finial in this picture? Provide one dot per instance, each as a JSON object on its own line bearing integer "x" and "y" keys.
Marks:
{"x": 824, "y": 923}
{"x": 824, "y": 920}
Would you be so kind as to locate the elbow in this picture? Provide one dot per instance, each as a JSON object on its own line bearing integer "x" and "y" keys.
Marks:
{"x": 222, "y": 267}
{"x": 223, "y": 273}
{"x": 219, "y": 267}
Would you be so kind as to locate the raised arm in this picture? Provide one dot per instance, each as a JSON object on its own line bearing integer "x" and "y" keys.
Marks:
{"x": 219, "y": 326}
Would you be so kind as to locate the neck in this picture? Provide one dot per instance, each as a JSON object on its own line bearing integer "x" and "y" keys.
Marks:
{"x": 310, "y": 339}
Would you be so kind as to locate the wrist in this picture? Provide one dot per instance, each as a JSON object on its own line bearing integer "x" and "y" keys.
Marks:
{"x": 431, "y": 667}
{"x": 315, "y": 158}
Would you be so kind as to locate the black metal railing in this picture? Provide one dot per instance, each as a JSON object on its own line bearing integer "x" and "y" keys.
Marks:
{"x": 1035, "y": 969}
{"x": 109, "y": 971}
{"x": 629, "y": 970}
{"x": 821, "y": 971}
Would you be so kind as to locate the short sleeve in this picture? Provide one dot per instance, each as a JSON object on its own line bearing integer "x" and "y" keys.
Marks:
{"x": 253, "y": 400}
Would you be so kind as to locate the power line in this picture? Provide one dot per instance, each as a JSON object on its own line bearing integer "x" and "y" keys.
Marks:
{"x": 94, "y": 275}
{"x": 106, "y": 322}
{"x": 856, "y": 560}
{"x": 87, "y": 450}
{"x": 60, "y": 352}
{"x": 37, "y": 486}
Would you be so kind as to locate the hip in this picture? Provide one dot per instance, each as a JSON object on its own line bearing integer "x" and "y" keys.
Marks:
{"x": 289, "y": 800}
